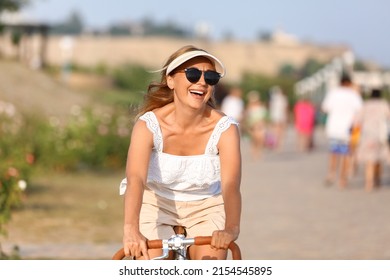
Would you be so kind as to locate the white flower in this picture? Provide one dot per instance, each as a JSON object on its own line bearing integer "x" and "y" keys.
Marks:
{"x": 22, "y": 184}
{"x": 7, "y": 108}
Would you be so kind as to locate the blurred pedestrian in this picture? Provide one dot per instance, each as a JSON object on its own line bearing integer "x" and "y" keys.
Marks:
{"x": 278, "y": 112}
{"x": 304, "y": 119}
{"x": 255, "y": 123}
{"x": 341, "y": 105}
{"x": 373, "y": 147}
{"x": 233, "y": 104}
{"x": 220, "y": 92}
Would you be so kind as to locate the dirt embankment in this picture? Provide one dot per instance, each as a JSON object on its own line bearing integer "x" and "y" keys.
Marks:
{"x": 35, "y": 91}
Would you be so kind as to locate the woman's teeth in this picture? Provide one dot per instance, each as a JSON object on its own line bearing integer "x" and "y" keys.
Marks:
{"x": 196, "y": 92}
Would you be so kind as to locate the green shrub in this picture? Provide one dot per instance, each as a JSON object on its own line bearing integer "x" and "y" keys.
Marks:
{"x": 132, "y": 77}
{"x": 92, "y": 139}
{"x": 15, "y": 164}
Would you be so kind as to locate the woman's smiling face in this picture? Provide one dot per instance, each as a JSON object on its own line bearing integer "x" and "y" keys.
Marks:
{"x": 195, "y": 94}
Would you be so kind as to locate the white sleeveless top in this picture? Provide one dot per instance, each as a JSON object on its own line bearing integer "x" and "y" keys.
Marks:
{"x": 184, "y": 178}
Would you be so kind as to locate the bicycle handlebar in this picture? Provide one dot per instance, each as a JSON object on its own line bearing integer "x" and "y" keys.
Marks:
{"x": 199, "y": 240}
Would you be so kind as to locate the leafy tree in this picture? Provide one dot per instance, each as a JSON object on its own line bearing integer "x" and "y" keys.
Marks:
{"x": 264, "y": 36}
{"x": 288, "y": 70}
{"x": 167, "y": 29}
{"x": 12, "y": 5}
{"x": 360, "y": 66}
{"x": 263, "y": 84}
{"x": 134, "y": 78}
{"x": 73, "y": 25}
{"x": 310, "y": 67}
{"x": 119, "y": 30}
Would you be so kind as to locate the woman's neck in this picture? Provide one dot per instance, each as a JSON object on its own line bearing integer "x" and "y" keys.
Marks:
{"x": 187, "y": 118}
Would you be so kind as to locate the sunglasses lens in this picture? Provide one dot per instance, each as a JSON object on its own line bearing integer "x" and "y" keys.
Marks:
{"x": 212, "y": 77}
{"x": 193, "y": 75}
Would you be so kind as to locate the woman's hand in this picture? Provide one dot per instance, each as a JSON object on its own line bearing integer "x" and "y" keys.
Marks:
{"x": 221, "y": 239}
{"x": 134, "y": 244}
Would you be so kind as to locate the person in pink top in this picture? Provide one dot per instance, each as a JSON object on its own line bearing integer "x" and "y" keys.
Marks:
{"x": 304, "y": 116}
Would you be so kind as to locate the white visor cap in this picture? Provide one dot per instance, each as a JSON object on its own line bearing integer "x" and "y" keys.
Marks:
{"x": 189, "y": 55}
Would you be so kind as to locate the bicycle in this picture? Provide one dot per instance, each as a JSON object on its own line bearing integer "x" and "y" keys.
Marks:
{"x": 179, "y": 244}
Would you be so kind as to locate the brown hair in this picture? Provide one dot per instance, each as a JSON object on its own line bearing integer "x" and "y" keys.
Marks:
{"x": 159, "y": 94}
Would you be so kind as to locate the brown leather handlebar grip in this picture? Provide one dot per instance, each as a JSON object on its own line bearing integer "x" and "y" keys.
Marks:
{"x": 202, "y": 240}
{"x": 152, "y": 244}
{"x": 119, "y": 255}
{"x": 233, "y": 247}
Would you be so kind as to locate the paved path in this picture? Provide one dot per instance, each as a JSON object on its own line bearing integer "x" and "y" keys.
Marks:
{"x": 289, "y": 214}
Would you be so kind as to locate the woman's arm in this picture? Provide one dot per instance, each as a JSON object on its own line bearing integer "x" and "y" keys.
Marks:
{"x": 230, "y": 157}
{"x": 136, "y": 173}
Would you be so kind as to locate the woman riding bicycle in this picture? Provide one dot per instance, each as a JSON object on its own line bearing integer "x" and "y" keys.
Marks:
{"x": 184, "y": 161}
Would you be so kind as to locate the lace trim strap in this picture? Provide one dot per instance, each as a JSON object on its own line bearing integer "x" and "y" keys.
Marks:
{"x": 153, "y": 125}
{"x": 222, "y": 125}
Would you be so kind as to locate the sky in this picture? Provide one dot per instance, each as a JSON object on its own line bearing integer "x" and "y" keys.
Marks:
{"x": 361, "y": 25}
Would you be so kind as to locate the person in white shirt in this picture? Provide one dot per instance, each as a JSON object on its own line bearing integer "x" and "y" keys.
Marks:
{"x": 184, "y": 161}
{"x": 233, "y": 105}
{"x": 278, "y": 111}
{"x": 341, "y": 106}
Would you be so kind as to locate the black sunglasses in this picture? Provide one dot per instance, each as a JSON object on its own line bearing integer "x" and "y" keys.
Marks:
{"x": 193, "y": 75}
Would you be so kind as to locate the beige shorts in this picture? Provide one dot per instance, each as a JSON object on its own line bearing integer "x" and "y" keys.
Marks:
{"x": 200, "y": 218}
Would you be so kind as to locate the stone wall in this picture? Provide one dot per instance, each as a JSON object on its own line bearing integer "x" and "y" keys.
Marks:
{"x": 262, "y": 57}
